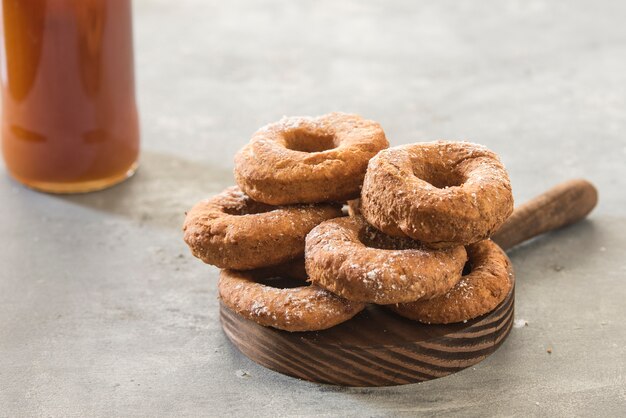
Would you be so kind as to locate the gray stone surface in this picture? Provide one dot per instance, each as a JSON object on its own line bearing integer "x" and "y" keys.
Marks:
{"x": 103, "y": 311}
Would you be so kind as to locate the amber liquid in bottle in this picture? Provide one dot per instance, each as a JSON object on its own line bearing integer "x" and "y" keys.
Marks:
{"x": 69, "y": 117}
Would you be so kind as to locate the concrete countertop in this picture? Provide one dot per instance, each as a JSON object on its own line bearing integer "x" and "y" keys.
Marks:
{"x": 103, "y": 311}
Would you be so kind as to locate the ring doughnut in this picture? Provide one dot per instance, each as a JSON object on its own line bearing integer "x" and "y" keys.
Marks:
{"x": 302, "y": 308}
{"x": 478, "y": 292}
{"x": 308, "y": 160}
{"x": 357, "y": 262}
{"x": 230, "y": 230}
{"x": 440, "y": 193}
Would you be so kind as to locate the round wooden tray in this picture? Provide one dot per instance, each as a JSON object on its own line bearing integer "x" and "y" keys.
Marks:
{"x": 375, "y": 348}
{"x": 380, "y": 348}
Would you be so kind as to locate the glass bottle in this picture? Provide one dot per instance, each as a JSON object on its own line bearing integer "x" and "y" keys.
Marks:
{"x": 69, "y": 115}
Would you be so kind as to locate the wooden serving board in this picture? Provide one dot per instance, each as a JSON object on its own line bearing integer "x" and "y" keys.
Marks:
{"x": 379, "y": 348}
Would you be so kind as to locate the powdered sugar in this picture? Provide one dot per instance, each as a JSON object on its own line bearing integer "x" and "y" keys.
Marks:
{"x": 258, "y": 308}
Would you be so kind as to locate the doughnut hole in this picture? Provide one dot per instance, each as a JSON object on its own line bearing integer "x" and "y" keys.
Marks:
{"x": 467, "y": 268}
{"x": 438, "y": 175}
{"x": 283, "y": 282}
{"x": 373, "y": 238}
{"x": 303, "y": 140}
{"x": 248, "y": 207}
{"x": 286, "y": 276}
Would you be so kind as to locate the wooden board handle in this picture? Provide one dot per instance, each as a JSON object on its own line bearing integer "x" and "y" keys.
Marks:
{"x": 562, "y": 205}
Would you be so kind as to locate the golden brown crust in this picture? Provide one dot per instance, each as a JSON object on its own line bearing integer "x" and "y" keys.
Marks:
{"x": 357, "y": 262}
{"x": 477, "y": 293}
{"x": 440, "y": 193}
{"x": 303, "y": 308}
{"x": 230, "y": 230}
{"x": 308, "y": 160}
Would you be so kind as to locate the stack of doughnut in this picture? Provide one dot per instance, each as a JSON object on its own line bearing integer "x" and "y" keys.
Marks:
{"x": 416, "y": 239}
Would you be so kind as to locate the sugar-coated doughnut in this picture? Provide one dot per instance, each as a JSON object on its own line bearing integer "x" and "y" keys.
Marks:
{"x": 357, "y": 262}
{"x": 480, "y": 291}
{"x": 301, "y": 308}
{"x": 308, "y": 160}
{"x": 230, "y": 230}
{"x": 440, "y": 193}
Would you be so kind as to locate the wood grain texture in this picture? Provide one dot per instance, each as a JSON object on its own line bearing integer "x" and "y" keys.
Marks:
{"x": 379, "y": 348}
{"x": 560, "y": 206}
{"x": 375, "y": 348}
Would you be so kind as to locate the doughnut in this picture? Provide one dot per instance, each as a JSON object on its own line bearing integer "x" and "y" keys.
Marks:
{"x": 308, "y": 160}
{"x": 440, "y": 193}
{"x": 355, "y": 261}
{"x": 486, "y": 285}
{"x": 301, "y": 308}
{"x": 230, "y": 230}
